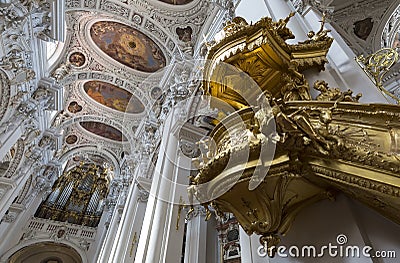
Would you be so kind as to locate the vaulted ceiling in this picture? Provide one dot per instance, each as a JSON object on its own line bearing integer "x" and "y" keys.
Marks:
{"x": 112, "y": 69}
{"x": 366, "y": 25}
{"x": 116, "y": 53}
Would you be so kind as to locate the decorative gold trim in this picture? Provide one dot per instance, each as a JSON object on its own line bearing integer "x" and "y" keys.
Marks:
{"x": 377, "y": 65}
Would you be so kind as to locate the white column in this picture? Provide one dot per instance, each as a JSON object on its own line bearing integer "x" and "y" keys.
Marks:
{"x": 110, "y": 235}
{"x": 248, "y": 248}
{"x": 129, "y": 231}
{"x": 10, "y": 188}
{"x": 8, "y": 140}
{"x": 279, "y": 9}
{"x": 196, "y": 240}
{"x": 122, "y": 235}
{"x": 160, "y": 241}
{"x": 11, "y": 232}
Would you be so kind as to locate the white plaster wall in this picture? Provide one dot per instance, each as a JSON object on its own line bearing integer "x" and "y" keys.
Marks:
{"x": 321, "y": 223}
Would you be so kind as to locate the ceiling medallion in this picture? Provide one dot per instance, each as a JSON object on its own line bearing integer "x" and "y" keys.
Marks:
{"x": 128, "y": 46}
{"x": 176, "y": 2}
{"x": 156, "y": 93}
{"x": 113, "y": 97}
{"x": 77, "y": 59}
{"x": 71, "y": 139}
{"x": 103, "y": 130}
{"x": 74, "y": 107}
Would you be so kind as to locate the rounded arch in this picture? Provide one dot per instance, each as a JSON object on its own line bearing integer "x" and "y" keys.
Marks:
{"x": 385, "y": 31}
{"x": 92, "y": 149}
{"x": 60, "y": 52}
{"x": 54, "y": 52}
{"x": 163, "y": 4}
{"x": 101, "y": 119}
{"x": 79, "y": 78}
{"x": 36, "y": 244}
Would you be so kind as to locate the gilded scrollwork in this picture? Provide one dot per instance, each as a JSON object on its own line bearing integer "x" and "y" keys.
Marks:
{"x": 265, "y": 57}
{"x": 311, "y": 137}
{"x": 237, "y": 24}
{"x": 377, "y": 65}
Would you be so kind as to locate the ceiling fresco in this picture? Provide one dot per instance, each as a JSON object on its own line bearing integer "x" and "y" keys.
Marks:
{"x": 113, "y": 97}
{"x": 127, "y": 46}
{"x": 77, "y": 59}
{"x": 103, "y": 130}
{"x": 176, "y": 2}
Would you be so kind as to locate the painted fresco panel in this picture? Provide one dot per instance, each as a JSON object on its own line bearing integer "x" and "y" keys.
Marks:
{"x": 127, "y": 46}
{"x": 113, "y": 97}
{"x": 103, "y": 130}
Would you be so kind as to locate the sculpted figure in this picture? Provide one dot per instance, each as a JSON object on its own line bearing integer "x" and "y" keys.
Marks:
{"x": 321, "y": 35}
{"x": 298, "y": 125}
{"x": 61, "y": 71}
{"x": 296, "y": 87}
{"x": 13, "y": 60}
{"x": 281, "y": 28}
{"x": 334, "y": 94}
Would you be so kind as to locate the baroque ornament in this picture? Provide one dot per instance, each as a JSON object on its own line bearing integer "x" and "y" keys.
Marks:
{"x": 280, "y": 151}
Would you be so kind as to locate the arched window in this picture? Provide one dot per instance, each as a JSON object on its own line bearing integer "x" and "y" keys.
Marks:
{"x": 78, "y": 196}
{"x": 53, "y": 52}
{"x": 51, "y": 48}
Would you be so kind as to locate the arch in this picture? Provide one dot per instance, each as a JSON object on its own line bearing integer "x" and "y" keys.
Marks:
{"x": 81, "y": 77}
{"x": 30, "y": 242}
{"x": 102, "y": 119}
{"x": 82, "y": 149}
{"x": 57, "y": 50}
{"x": 383, "y": 27}
{"x": 180, "y": 5}
{"x": 60, "y": 52}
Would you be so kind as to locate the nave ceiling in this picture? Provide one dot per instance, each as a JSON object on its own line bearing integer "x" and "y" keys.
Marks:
{"x": 111, "y": 65}
{"x": 118, "y": 82}
{"x": 104, "y": 92}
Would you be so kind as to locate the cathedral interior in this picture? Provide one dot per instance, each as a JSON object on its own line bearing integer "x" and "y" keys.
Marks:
{"x": 199, "y": 131}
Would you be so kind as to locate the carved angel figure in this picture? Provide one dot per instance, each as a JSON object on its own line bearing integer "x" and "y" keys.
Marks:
{"x": 298, "y": 125}
{"x": 321, "y": 35}
{"x": 281, "y": 28}
{"x": 296, "y": 88}
{"x": 334, "y": 94}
